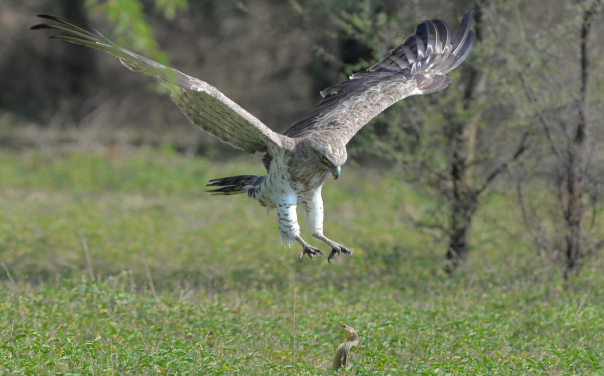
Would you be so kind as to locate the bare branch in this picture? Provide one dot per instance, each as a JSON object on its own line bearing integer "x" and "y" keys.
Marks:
{"x": 149, "y": 279}
{"x": 53, "y": 334}
{"x": 522, "y": 147}
{"x": 588, "y": 17}
{"x": 8, "y": 274}
{"x": 86, "y": 256}
{"x": 529, "y": 93}
{"x": 527, "y": 223}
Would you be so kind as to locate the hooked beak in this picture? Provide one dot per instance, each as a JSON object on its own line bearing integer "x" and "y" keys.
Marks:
{"x": 335, "y": 172}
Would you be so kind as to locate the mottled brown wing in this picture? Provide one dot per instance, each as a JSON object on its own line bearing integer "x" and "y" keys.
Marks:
{"x": 418, "y": 66}
{"x": 202, "y": 103}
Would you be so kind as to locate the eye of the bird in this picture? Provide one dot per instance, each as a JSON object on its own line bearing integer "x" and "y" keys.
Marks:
{"x": 325, "y": 160}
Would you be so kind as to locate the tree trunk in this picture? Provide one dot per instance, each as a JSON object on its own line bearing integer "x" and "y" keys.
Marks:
{"x": 464, "y": 200}
{"x": 574, "y": 209}
{"x": 462, "y": 211}
{"x": 577, "y": 152}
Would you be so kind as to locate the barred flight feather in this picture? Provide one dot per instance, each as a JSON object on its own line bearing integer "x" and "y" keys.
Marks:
{"x": 418, "y": 66}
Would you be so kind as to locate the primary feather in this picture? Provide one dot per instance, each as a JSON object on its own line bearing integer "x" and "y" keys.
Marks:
{"x": 202, "y": 103}
{"x": 418, "y": 66}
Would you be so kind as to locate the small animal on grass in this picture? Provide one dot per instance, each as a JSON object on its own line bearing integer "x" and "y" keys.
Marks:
{"x": 343, "y": 351}
{"x": 299, "y": 161}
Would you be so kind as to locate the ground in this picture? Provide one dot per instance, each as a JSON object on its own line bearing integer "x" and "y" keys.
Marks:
{"x": 223, "y": 288}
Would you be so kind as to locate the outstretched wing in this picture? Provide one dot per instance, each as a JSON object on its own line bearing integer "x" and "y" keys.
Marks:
{"x": 203, "y": 104}
{"x": 418, "y": 66}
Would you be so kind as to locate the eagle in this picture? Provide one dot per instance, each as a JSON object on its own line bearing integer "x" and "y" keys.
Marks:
{"x": 299, "y": 161}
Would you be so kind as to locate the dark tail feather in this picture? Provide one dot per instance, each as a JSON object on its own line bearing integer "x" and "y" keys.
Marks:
{"x": 234, "y": 185}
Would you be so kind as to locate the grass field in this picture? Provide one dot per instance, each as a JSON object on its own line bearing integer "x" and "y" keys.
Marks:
{"x": 188, "y": 283}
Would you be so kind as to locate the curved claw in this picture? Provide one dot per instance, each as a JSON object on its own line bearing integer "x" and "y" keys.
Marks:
{"x": 311, "y": 251}
{"x": 339, "y": 251}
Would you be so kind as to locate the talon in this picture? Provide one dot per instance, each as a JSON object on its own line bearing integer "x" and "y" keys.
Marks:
{"x": 311, "y": 251}
{"x": 347, "y": 251}
{"x": 339, "y": 251}
{"x": 331, "y": 255}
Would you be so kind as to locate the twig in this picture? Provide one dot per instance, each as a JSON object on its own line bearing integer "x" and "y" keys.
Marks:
{"x": 369, "y": 293}
{"x": 529, "y": 93}
{"x": 21, "y": 313}
{"x": 111, "y": 355}
{"x": 149, "y": 279}
{"x": 143, "y": 339}
{"x": 210, "y": 290}
{"x": 12, "y": 327}
{"x": 522, "y": 147}
{"x": 294, "y": 352}
{"x": 455, "y": 255}
{"x": 87, "y": 257}
{"x": 527, "y": 222}
{"x": 8, "y": 274}
{"x": 161, "y": 339}
{"x": 101, "y": 361}
{"x": 131, "y": 279}
{"x": 5, "y": 291}
{"x": 53, "y": 334}
{"x": 579, "y": 320}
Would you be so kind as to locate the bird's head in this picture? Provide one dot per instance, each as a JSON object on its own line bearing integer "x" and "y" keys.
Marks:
{"x": 350, "y": 333}
{"x": 329, "y": 152}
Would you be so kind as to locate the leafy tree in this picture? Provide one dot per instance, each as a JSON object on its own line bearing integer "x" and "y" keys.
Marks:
{"x": 131, "y": 27}
{"x": 565, "y": 90}
{"x": 452, "y": 145}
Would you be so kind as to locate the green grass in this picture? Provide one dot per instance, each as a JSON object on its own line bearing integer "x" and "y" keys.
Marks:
{"x": 225, "y": 286}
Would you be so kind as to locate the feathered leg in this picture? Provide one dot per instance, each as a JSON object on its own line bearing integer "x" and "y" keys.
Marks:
{"x": 289, "y": 229}
{"x": 313, "y": 214}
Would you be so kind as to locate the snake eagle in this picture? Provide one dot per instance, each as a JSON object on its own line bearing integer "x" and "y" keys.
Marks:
{"x": 299, "y": 161}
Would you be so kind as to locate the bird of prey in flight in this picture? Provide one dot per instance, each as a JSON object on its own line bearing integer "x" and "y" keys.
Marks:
{"x": 299, "y": 161}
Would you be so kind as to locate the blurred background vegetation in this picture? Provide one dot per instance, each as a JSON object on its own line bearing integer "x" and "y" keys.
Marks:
{"x": 474, "y": 214}
{"x": 524, "y": 112}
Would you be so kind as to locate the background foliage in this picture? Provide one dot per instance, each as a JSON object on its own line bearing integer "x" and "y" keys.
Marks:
{"x": 96, "y": 161}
